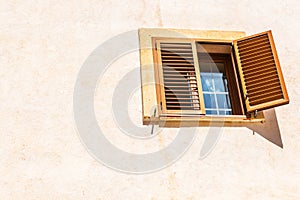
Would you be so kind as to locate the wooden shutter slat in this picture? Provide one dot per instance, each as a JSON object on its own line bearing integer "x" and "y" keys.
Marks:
{"x": 180, "y": 95}
{"x": 174, "y": 64}
{"x": 176, "y": 57}
{"x": 178, "y": 91}
{"x": 261, "y": 93}
{"x": 263, "y": 62}
{"x": 180, "y": 106}
{"x": 269, "y": 98}
{"x": 176, "y": 71}
{"x": 180, "y": 78}
{"x": 177, "y": 53}
{"x": 266, "y": 76}
{"x": 261, "y": 87}
{"x": 175, "y": 44}
{"x": 172, "y": 60}
{"x": 254, "y": 51}
{"x": 259, "y": 76}
{"x": 176, "y": 49}
{"x": 258, "y": 60}
{"x": 254, "y": 41}
{"x": 265, "y": 94}
{"x": 254, "y": 47}
{"x": 260, "y": 73}
{"x": 173, "y": 84}
{"x": 177, "y": 67}
{"x": 170, "y": 75}
{"x": 257, "y": 56}
{"x": 173, "y": 98}
{"x": 183, "y": 102}
{"x": 260, "y": 68}
{"x": 179, "y": 81}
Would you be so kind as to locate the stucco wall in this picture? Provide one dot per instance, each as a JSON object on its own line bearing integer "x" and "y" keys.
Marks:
{"x": 43, "y": 45}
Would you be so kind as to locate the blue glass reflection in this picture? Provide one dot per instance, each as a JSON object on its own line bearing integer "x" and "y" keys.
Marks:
{"x": 209, "y": 101}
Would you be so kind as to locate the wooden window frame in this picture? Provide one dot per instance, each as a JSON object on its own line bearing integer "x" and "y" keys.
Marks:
{"x": 152, "y": 93}
{"x": 169, "y": 118}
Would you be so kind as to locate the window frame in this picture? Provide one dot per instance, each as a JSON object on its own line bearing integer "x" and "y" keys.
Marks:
{"x": 148, "y": 53}
{"x": 193, "y": 114}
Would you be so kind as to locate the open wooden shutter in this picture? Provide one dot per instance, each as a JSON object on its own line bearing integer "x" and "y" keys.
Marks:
{"x": 260, "y": 72}
{"x": 180, "y": 79}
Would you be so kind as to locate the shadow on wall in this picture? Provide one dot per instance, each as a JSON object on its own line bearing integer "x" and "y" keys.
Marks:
{"x": 269, "y": 129}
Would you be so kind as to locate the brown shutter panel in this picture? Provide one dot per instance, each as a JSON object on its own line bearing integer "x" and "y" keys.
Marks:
{"x": 180, "y": 78}
{"x": 260, "y": 72}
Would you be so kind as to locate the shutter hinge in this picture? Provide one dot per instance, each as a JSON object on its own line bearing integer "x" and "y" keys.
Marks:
{"x": 255, "y": 113}
{"x": 152, "y": 122}
{"x": 252, "y": 114}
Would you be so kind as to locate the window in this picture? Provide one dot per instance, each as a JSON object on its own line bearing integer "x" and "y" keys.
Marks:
{"x": 200, "y": 79}
{"x": 215, "y": 86}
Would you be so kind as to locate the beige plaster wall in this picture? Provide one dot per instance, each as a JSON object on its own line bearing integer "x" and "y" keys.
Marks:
{"x": 42, "y": 47}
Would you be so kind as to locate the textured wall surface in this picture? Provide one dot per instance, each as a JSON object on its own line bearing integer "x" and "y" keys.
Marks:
{"x": 43, "y": 45}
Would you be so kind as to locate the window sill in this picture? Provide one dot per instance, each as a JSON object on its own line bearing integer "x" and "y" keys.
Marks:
{"x": 204, "y": 120}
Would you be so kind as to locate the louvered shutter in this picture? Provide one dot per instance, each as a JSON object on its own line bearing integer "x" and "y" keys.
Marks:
{"x": 260, "y": 72}
{"x": 179, "y": 78}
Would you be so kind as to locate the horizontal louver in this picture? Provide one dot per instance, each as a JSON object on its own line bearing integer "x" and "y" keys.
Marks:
{"x": 179, "y": 76}
{"x": 260, "y": 72}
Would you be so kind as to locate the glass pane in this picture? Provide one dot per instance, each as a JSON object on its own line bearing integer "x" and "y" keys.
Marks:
{"x": 205, "y": 66}
{"x": 206, "y": 81}
{"x": 223, "y": 101}
{"x": 217, "y": 67}
{"x": 209, "y": 101}
{"x": 211, "y": 112}
{"x": 228, "y": 112}
{"x": 222, "y": 112}
{"x": 219, "y": 83}
{"x": 214, "y": 82}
